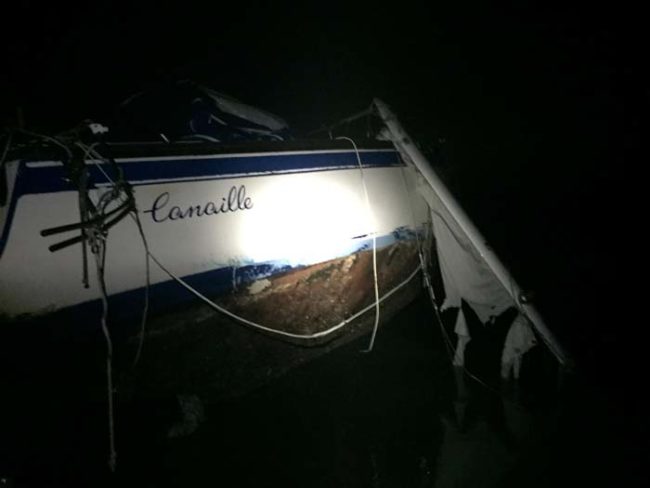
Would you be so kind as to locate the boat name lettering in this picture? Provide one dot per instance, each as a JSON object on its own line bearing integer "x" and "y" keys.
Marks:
{"x": 234, "y": 201}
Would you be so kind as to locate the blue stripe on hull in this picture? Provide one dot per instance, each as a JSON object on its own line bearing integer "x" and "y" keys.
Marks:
{"x": 51, "y": 179}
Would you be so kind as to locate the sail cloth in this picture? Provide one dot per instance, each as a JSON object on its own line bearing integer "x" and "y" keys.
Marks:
{"x": 466, "y": 276}
{"x": 476, "y": 286}
{"x": 186, "y": 110}
{"x": 519, "y": 341}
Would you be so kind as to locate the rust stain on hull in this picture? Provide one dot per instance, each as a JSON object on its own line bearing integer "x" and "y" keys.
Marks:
{"x": 316, "y": 298}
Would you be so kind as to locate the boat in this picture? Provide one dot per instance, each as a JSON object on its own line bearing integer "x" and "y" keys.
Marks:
{"x": 292, "y": 237}
{"x": 297, "y": 238}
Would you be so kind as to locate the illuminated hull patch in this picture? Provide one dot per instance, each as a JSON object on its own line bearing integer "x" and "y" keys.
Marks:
{"x": 220, "y": 233}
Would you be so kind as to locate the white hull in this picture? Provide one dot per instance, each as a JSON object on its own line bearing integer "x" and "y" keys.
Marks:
{"x": 194, "y": 225}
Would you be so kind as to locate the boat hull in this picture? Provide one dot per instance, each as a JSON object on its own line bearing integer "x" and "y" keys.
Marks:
{"x": 283, "y": 238}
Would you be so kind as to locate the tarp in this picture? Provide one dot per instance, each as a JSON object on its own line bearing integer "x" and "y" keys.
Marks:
{"x": 185, "y": 110}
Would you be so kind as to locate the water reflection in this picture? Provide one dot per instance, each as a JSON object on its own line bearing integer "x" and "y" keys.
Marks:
{"x": 482, "y": 436}
{"x": 399, "y": 417}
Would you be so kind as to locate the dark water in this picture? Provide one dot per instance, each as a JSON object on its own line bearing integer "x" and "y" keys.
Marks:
{"x": 399, "y": 416}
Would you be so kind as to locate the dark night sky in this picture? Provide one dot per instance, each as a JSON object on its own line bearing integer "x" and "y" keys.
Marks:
{"x": 536, "y": 104}
{"x": 316, "y": 62}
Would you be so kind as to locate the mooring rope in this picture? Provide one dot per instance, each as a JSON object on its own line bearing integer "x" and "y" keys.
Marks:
{"x": 374, "y": 246}
{"x": 98, "y": 248}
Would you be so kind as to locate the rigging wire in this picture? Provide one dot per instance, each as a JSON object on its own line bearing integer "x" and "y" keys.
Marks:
{"x": 4, "y": 188}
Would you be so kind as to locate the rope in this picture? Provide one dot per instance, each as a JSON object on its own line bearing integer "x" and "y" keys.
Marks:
{"x": 374, "y": 247}
{"x": 97, "y": 240}
{"x": 5, "y": 151}
{"x": 135, "y": 215}
{"x": 98, "y": 247}
{"x": 4, "y": 189}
